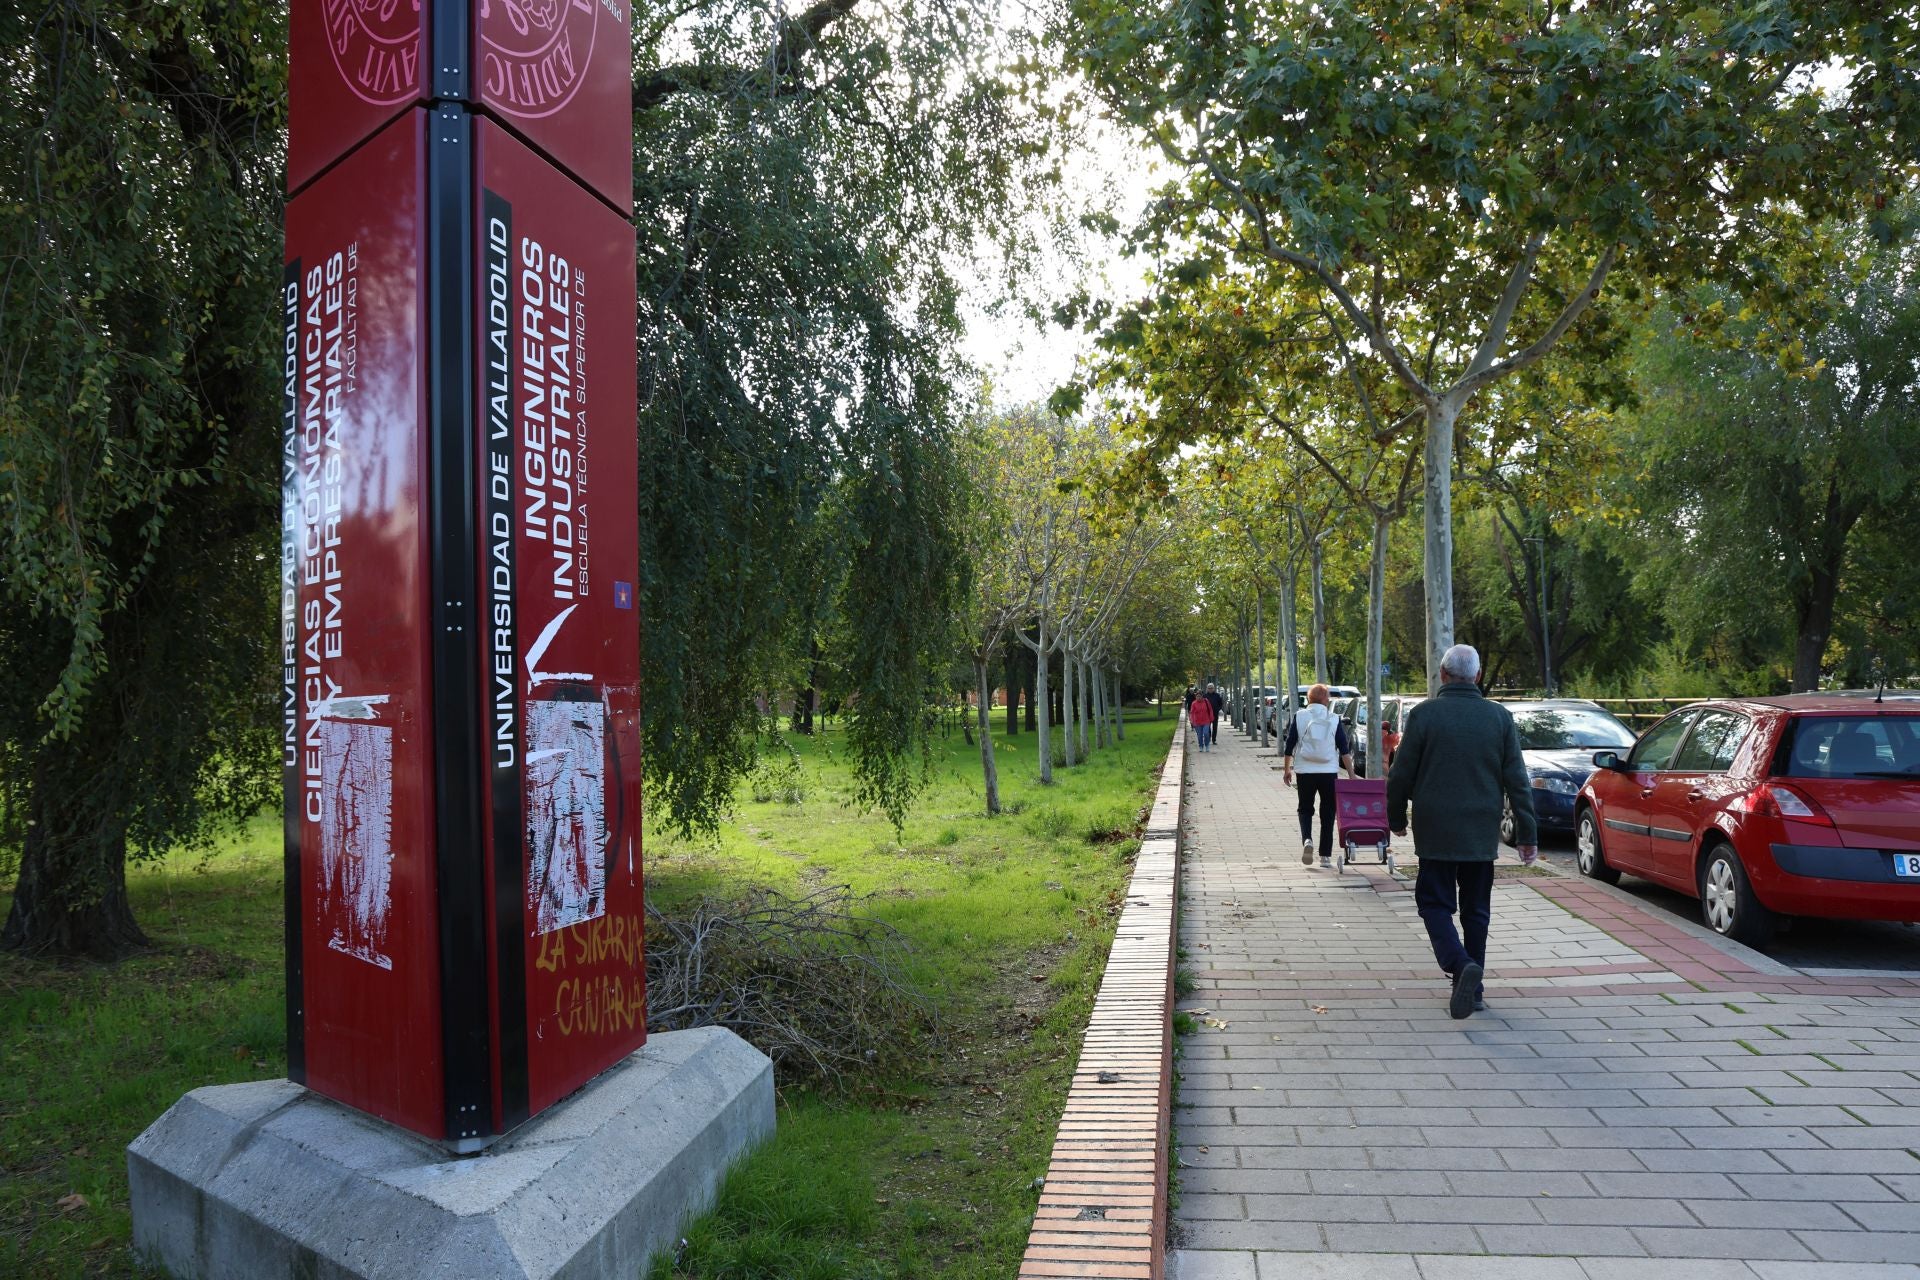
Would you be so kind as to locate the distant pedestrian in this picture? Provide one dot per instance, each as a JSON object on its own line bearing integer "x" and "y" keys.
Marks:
{"x": 1201, "y": 716}
{"x": 1318, "y": 739}
{"x": 1389, "y": 743}
{"x": 1459, "y": 757}
{"x": 1189, "y": 696}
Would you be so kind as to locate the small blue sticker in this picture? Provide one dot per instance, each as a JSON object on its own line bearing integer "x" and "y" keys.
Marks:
{"x": 623, "y": 595}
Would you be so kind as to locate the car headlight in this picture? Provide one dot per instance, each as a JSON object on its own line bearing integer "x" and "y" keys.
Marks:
{"x": 1558, "y": 783}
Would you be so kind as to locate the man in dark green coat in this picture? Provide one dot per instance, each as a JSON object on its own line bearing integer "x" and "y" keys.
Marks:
{"x": 1459, "y": 757}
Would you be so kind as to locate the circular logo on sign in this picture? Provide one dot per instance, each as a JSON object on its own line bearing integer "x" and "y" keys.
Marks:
{"x": 376, "y": 47}
{"x": 534, "y": 53}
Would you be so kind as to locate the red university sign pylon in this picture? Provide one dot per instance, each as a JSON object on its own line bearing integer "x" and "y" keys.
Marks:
{"x": 459, "y": 558}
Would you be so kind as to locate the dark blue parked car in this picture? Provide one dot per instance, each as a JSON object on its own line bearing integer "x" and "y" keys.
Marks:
{"x": 1559, "y": 737}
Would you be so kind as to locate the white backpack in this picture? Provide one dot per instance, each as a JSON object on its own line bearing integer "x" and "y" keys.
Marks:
{"x": 1318, "y": 748}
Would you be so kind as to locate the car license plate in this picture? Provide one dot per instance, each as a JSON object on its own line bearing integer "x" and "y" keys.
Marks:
{"x": 1907, "y": 865}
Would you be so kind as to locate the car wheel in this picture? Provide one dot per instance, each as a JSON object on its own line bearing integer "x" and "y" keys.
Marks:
{"x": 1592, "y": 858}
{"x": 1727, "y": 901}
{"x": 1509, "y": 829}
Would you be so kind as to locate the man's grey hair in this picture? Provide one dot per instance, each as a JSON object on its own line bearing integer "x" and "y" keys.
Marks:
{"x": 1462, "y": 662}
{"x": 1209, "y": 684}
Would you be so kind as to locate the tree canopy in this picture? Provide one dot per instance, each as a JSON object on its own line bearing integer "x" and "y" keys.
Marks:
{"x": 805, "y": 185}
{"x": 1472, "y": 186}
{"x": 1756, "y": 478}
{"x": 139, "y": 167}
{"x": 1615, "y": 270}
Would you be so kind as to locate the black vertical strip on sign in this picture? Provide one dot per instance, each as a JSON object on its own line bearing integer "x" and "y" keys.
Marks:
{"x": 504, "y": 679}
{"x": 290, "y": 719}
{"x": 452, "y": 542}
{"x": 451, "y": 41}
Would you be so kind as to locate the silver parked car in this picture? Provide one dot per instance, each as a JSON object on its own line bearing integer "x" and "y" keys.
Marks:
{"x": 1337, "y": 693}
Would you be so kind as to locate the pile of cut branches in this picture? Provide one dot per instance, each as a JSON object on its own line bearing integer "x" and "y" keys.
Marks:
{"x": 814, "y": 982}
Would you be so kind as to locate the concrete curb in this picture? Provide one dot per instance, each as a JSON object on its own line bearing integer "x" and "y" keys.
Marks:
{"x": 258, "y": 1180}
{"x": 1103, "y": 1211}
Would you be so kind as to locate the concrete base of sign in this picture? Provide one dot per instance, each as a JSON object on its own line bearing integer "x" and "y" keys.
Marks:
{"x": 268, "y": 1179}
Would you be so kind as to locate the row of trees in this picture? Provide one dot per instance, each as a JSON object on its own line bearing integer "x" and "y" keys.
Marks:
{"x": 1406, "y": 245}
{"x": 1056, "y": 567}
{"x": 1732, "y": 526}
{"x": 805, "y": 181}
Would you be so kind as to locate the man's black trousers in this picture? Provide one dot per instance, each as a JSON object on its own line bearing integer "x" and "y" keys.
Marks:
{"x": 1443, "y": 888}
{"x": 1318, "y": 786}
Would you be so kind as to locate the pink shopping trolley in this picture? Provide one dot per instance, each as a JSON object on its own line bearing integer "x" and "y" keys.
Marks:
{"x": 1362, "y": 807}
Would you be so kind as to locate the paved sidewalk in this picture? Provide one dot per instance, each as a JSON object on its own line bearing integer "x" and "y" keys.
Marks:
{"x": 1639, "y": 1102}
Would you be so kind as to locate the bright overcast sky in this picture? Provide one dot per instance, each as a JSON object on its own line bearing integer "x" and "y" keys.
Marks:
{"x": 1026, "y": 362}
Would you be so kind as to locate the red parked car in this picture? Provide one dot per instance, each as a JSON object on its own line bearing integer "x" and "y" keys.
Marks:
{"x": 1806, "y": 805}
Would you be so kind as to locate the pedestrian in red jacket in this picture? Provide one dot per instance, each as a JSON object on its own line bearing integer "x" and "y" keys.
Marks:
{"x": 1202, "y": 717}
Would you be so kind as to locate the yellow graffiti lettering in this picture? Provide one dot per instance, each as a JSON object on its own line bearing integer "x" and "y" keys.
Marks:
{"x": 607, "y": 1004}
{"x": 553, "y": 953}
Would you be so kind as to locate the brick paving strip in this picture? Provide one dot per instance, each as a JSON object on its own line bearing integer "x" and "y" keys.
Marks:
{"x": 1103, "y": 1210}
{"x": 1641, "y": 1102}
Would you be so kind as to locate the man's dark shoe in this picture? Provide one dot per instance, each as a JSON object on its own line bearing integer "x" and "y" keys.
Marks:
{"x": 1479, "y": 1004}
{"x": 1465, "y": 983}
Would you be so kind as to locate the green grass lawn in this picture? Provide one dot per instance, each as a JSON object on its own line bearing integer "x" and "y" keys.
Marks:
{"x": 927, "y": 1175}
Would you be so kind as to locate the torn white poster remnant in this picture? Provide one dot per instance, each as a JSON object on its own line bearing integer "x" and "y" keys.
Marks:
{"x": 344, "y": 707}
{"x": 356, "y": 837}
{"x": 566, "y": 812}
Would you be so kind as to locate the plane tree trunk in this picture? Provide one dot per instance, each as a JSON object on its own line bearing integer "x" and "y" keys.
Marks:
{"x": 1086, "y": 707}
{"x": 1249, "y": 713}
{"x": 1044, "y": 733}
{"x": 990, "y": 775}
{"x": 1316, "y": 562}
{"x": 1068, "y": 709}
{"x": 1376, "y": 627}
{"x": 1289, "y": 655}
{"x": 1438, "y": 512}
{"x": 1013, "y": 687}
{"x": 1259, "y": 674}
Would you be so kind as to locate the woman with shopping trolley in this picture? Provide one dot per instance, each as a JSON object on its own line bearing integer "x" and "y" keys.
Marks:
{"x": 1317, "y": 743}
